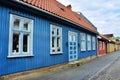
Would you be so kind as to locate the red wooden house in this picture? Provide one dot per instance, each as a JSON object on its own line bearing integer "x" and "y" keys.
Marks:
{"x": 102, "y": 45}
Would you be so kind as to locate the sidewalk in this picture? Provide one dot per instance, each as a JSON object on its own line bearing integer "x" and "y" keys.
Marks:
{"x": 80, "y": 72}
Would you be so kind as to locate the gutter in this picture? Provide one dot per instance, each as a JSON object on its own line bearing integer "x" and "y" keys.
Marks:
{"x": 44, "y": 11}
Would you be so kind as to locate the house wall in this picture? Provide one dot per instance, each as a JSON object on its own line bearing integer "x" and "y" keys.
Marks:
{"x": 117, "y": 46}
{"x": 41, "y": 44}
{"x": 104, "y": 50}
{"x": 110, "y": 47}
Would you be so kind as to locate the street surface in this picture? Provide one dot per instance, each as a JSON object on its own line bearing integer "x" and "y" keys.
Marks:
{"x": 106, "y": 67}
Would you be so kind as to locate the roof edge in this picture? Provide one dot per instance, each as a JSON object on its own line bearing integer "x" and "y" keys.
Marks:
{"x": 36, "y": 8}
{"x": 88, "y": 20}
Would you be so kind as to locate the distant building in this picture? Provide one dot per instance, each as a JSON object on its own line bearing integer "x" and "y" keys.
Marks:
{"x": 102, "y": 44}
{"x": 117, "y": 44}
{"x": 111, "y": 46}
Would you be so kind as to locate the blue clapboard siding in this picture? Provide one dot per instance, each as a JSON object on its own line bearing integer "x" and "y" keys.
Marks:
{"x": 41, "y": 44}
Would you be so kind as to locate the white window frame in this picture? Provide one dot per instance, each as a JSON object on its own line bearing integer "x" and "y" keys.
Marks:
{"x": 103, "y": 45}
{"x": 89, "y": 42}
{"x": 100, "y": 45}
{"x": 83, "y": 41}
{"x": 56, "y": 36}
{"x": 22, "y": 32}
{"x": 93, "y": 43}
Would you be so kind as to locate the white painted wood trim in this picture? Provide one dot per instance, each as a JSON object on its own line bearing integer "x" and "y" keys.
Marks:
{"x": 55, "y": 26}
{"x": 30, "y": 42}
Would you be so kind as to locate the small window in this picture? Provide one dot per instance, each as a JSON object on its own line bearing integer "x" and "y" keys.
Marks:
{"x": 93, "y": 43}
{"x": 16, "y": 23}
{"x": 56, "y": 39}
{"x": 89, "y": 42}
{"x": 20, "y": 36}
{"x": 26, "y": 26}
{"x": 83, "y": 41}
{"x": 103, "y": 44}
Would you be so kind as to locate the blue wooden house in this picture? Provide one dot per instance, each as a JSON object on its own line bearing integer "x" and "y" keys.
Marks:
{"x": 40, "y": 33}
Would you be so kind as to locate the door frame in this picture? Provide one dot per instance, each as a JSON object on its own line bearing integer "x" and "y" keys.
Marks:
{"x": 72, "y": 32}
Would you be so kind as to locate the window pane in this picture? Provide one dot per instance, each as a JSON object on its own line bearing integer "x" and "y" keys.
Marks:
{"x": 82, "y": 36}
{"x": 17, "y": 23}
{"x": 83, "y": 42}
{"x": 53, "y": 50}
{"x": 58, "y": 31}
{"x": 100, "y": 45}
{"x": 26, "y": 26}
{"x": 58, "y": 49}
{"x": 103, "y": 46}
{"x": 58, "y": 44}
{"x": 53, "y": 31}
{"x": 70, "y": 37}
{"x": 74, "y": 38}
{"x": 93, "y": 42}
{"x": 15, "y": 42}
{"x": 53, "y": 42}
{"x": 25, "y": 43}
{"x": 89, "y": 42}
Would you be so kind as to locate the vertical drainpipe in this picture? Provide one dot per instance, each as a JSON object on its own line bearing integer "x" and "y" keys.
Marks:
{"x": 97, "y": 46}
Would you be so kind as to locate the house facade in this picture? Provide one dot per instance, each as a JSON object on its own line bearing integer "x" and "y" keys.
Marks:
{"x": 111, "y": 46}
{"x": 117, "y": 45}
{"x": 102, "y": 44}
{"x": 35, "y": 35}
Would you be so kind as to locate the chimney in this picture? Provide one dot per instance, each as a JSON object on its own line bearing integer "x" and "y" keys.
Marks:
{"x": 69, "y": 7}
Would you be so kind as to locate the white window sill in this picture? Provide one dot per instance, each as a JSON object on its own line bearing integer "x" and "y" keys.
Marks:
{"x": 18, "y": 56}
{"x": 83, "y": 51}
{"x": 55, "y": 53}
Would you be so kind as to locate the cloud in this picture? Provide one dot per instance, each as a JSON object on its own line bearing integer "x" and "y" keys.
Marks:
{"x": 104, "y": 14}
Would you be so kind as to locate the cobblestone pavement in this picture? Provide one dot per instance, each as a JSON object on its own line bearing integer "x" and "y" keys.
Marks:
{"x": 106, "y": 67}
{"x": 111, "y": 73}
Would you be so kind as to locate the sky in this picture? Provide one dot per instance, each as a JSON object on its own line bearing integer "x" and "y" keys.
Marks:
{"x": 104, "y": 14}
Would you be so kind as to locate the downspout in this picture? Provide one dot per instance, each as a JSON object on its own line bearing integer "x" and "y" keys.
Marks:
{"x": 97, "y": 47}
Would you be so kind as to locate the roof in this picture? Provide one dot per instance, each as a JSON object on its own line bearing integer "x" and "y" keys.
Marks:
{"x": 65, "y": 12}
{"x": 101, "y": 37}
{"x": 108, "y": 35}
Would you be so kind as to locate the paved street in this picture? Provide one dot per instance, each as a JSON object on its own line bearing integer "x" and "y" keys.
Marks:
{"x": 102, "y": 68}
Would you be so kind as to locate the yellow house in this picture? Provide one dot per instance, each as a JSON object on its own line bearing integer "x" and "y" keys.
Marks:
{"x": 111, "y": 45}
{"x": 117, "y": 45}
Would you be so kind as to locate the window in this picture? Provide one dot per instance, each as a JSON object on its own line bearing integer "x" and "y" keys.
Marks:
{"x": 101, "y": 46}
{"x": 20, "y": 36}
{"x": 89, "y": 42}
{"x": 83, "y": 41}
{"x": 93, "y": 43}
{"x": 56, "y": 39}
